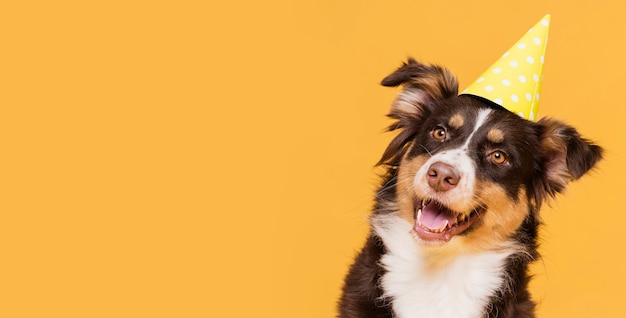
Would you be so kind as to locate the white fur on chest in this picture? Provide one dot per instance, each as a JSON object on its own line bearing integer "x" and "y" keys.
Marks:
{"x": 461, "y": 289}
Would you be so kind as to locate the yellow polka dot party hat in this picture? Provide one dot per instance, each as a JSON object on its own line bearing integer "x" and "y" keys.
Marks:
{"x": 514, "y": 81}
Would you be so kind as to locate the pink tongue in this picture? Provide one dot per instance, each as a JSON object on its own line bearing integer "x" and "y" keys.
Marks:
{"x": 435, "y": 218}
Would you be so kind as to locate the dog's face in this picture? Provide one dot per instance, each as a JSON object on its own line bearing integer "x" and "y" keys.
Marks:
{"x": 469, "y": 171}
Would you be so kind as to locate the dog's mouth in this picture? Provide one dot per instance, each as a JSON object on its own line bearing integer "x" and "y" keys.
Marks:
{"x": 436, "y": 222}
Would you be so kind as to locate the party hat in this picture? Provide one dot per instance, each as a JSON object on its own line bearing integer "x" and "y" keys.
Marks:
{"x": 514, "y": 81}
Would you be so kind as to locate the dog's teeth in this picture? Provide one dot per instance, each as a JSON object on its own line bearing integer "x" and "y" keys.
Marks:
{"x": 419, "y": 216}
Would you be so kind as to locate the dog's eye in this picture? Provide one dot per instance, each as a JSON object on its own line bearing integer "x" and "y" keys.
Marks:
{"x": 439, "y": 133}
{"x": 498, "y": 157}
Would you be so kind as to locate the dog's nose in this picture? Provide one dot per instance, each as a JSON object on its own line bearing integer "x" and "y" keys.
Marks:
{"x": 442, "y": 176}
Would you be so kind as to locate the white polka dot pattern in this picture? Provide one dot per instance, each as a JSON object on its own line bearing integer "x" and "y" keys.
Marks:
{"x": 515, "y": 80}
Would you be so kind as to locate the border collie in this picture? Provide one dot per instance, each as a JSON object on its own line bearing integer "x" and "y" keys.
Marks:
{"x": 455, "y": 223}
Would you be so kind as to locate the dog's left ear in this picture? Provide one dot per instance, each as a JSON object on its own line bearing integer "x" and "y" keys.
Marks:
{"x": 566, "y": 156}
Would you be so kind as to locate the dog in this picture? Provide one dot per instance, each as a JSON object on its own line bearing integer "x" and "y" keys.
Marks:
{"x": 455, "y": 221}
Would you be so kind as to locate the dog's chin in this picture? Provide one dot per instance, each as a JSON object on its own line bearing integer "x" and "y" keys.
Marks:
{"x": 436, "y": 224}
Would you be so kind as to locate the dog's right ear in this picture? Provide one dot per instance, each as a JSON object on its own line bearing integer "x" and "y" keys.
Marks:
{"x": 423, "y": 86}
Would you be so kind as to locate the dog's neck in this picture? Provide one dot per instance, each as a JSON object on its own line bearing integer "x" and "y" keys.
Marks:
{"x": 462, "y": 286}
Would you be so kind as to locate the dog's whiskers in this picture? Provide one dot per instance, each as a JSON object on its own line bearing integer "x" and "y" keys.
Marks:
{"x": 427, "y": 151}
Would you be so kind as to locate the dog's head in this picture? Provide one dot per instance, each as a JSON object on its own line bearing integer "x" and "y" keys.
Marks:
{"x": 470, "y": 172}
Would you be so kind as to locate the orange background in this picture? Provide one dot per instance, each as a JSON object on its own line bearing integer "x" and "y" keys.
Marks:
{"x": 185, "y": 159}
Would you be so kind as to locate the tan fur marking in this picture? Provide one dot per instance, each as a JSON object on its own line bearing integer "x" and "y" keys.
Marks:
{"x": 495, "y": 135}
{"x": 456, "y": 121}
{"x": 405, "y": 187}
{"x": 503, "y": 217}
